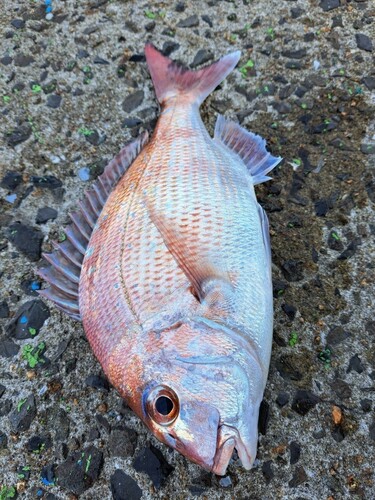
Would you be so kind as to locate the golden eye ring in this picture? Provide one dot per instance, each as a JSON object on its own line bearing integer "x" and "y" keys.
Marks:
{"x": 162, "y": 405}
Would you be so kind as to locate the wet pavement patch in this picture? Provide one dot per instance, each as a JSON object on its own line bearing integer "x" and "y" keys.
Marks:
{"x": 28, "y": 320}
{"x": 26, "y": 239}
{"x": 22, "y": 416}
{"x": 304, "y": 401}
{"x": 152, "y": 462}
{"x": 19, "y": 134}
{"x": 97, "y": 382}
{"x": 133, "y": 101}
{"x": 124, "y": 487}
{"x": 11, "y": 180}
{"x": 8, "y": 348}
{"x": 122, "y": 442}
{"x": 45, "y": 214}
{"x": 80, "y": 470}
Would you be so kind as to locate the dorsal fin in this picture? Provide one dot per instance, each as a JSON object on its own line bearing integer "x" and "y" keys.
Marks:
{"x": 63, "y": 266}
{"x": 251, "y": 148}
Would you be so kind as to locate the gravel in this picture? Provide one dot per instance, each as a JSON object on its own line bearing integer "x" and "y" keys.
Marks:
{"x": 75, "y": 89}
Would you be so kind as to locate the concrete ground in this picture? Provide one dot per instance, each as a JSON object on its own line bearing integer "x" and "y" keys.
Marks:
{"x": 73, "y": 90}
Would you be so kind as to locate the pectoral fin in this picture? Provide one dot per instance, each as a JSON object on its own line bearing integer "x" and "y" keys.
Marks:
{"x": 199, "y": 271}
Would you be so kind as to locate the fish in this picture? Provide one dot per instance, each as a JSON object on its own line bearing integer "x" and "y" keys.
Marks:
{"x": 167, "y": 263}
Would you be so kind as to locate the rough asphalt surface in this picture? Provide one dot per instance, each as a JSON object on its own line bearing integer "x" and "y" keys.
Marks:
{"x": 74, "y": 89}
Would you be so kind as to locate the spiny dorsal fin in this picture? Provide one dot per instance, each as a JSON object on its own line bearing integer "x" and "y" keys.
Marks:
{"x": 251, "y": 148}
{"x": 63, "y": 266}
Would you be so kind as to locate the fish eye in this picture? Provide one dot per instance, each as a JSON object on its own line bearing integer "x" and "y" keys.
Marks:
{"x": 162, "y": 405}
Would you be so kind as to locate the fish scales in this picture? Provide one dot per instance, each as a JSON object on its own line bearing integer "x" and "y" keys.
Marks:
{"x": 175, "y": 289}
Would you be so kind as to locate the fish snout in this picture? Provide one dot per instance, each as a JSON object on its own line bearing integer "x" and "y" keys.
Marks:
{"x": 195, "y": 433}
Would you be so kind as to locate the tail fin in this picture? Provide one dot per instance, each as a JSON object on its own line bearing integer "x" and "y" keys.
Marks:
{"x": 171, "y": 80}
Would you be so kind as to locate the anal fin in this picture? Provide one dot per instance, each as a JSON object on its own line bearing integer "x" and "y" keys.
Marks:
{"x": 251, "y": 148}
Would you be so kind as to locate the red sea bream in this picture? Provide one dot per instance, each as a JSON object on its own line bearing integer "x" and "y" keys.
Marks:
{"x": 168, "y": 265}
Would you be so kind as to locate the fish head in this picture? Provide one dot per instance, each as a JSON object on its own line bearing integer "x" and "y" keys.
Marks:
{"x": 199, "y": 392}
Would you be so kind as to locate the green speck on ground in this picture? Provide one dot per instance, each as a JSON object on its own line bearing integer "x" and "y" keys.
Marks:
{"x": 71, "y": 65}
{"x": 325, "y": 357}
{"x": 88, "y": 463}
{"x": 20, "y": 404}
{"x": 271, "y": 33}
{"x": 245, "y": 68}
{"x": 85, "y": 131}
{"x": 21, "y": 475}
{"x": 32, "y": 354}
{"x": 149, "y": 14}
{"x": 50, "y": 87}
{"x": 36, "y": 88}
{"x": 293, "y": 339}
{"x": 7, "y": 492}
{"x": 40, "y": 449}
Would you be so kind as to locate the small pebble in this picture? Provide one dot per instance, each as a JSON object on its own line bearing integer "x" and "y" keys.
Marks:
{"x": 152, "y": 462}
{"x": 282, "y": 399}
{"x": 336, "y": 415}
{"x": 84, "y": 174}
{"x": 225, "y": 482}
{"x": 11, "y": 198}
{"x": 364, "y": 42}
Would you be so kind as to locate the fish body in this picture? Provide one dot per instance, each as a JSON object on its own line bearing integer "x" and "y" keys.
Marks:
{"x": 174, "y": 287}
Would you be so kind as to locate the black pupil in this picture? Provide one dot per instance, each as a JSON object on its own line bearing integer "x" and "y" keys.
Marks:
{"x": 164, "y": 405}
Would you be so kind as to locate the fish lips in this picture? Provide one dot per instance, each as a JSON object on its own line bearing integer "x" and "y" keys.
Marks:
{"x": 229, "y": 439}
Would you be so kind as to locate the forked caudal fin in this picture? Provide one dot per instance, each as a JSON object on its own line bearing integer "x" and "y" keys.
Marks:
{"x": 63, "y": 266}
{"x": 251, "y": 148}
{"x": 171, "y": 80}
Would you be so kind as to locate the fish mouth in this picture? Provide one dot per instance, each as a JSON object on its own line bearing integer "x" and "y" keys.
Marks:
{"x": 228, "y": 440}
